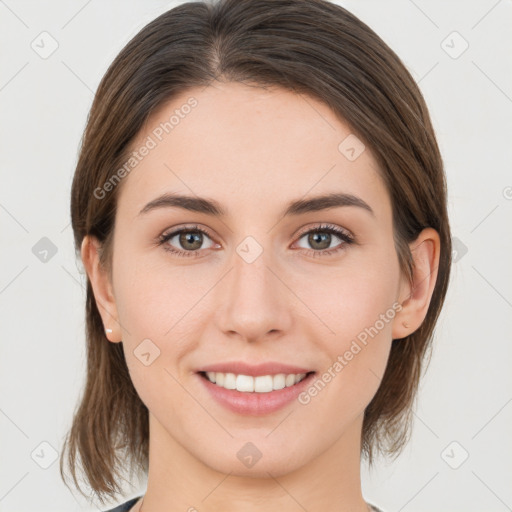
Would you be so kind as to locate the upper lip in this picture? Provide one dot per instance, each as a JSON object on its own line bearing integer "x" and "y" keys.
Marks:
{"x": 241, "y": 368}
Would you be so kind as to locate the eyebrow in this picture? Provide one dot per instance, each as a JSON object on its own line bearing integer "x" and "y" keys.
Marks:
{"x": 298, "y": 207}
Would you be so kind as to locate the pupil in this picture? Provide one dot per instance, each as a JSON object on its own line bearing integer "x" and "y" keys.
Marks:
{"x": 185, "y": 238}
{"x": 325, "y": 237}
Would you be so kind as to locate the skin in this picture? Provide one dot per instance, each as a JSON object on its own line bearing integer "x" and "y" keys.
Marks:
{"x": 254, "y": 150}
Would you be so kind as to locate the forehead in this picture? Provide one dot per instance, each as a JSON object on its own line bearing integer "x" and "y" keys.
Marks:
{"x": 248, "y": 147}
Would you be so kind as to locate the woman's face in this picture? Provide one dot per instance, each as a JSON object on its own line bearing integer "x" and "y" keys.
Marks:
{"x": 258, "y": 286}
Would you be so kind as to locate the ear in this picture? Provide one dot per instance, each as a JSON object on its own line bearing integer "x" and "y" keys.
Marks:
{"x": 415, "y": 296}
{"x": 102, "y": 288}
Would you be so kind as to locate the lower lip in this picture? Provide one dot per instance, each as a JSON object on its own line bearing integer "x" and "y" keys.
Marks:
{"x": 255, "y": 404}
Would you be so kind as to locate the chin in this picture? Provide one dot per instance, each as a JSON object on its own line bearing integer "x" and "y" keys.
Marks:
{"x": 249, "y": 461}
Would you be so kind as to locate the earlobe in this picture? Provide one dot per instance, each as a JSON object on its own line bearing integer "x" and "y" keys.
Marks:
{"x": 415, "y": 296}
{"x": 102, "y": 287}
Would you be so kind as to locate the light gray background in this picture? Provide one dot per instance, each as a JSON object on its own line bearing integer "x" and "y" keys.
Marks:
{"x": 466, "y": 394}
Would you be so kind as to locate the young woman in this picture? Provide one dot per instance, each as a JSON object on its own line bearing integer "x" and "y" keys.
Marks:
{"x": 260, "y": 206}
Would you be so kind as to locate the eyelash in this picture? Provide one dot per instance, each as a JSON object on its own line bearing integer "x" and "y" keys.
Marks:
{"x": 324, "y": 228}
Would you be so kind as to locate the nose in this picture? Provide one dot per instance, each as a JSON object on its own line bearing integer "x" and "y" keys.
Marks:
{"x": 254, "y": 301}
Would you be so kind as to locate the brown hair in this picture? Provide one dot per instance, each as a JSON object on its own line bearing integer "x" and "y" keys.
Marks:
{"x": 310, "y": 47}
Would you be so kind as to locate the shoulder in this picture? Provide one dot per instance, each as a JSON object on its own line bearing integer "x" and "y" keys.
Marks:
{"x": 124, "y": 507}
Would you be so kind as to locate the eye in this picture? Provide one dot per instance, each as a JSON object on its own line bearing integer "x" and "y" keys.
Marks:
{"x": 321, "y": 237}
{"x": 190, "y": 239}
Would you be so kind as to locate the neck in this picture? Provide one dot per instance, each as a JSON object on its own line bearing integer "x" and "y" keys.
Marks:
{"x": 178, "y": 480}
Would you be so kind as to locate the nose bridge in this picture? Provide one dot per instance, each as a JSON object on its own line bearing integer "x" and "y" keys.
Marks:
{"x": 250, "y": 272}
{"x": 253, "y": 302}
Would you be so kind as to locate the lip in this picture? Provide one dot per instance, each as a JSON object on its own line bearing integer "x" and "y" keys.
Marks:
{"x": 255, "y": 404}
{"x": 241, "y": 368}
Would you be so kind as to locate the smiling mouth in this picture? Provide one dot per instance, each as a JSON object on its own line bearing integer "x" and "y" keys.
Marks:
{"x": 250, "y": 384}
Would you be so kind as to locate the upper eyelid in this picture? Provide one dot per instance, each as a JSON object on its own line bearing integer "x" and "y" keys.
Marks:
{"x": 175, "y": 231}
{"x": 324, "y": 226}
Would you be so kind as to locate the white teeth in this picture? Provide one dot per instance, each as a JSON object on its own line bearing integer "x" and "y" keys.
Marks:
{"x": 230, "y": 381}
{"x": 243, "y": 383}
{"x": 279, "y": 381}
{"x": 249, "y": 384}
{"x": 290, "y": 380}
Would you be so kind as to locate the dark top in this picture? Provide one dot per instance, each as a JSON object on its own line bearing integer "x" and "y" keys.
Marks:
{"x": 125, "y": 507}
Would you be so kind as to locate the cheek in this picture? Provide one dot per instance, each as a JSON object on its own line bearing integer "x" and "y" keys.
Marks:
{"x": 352, "y": 296}
{"x": 150, "y": 295}
{"x": 159, "y": 307}
{"x": 357, "y": 305}
{"x": 152, "y": 308}
{"x": 356, "y": 355}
